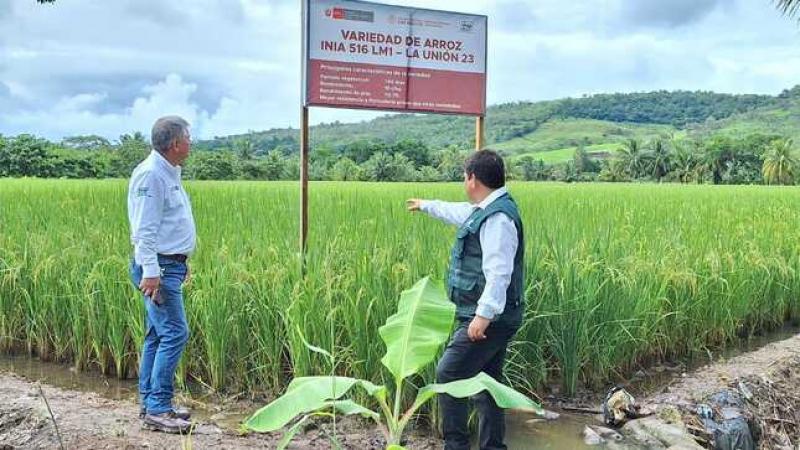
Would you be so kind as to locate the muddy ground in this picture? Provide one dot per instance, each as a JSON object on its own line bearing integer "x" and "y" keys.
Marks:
{"x": 90, "y": 421}
{"x": 770, "y": 375}
{"x": 768, "y": 382}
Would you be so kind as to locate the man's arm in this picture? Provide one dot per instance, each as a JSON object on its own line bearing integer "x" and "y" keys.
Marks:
{"x": 454, "y": 213}
{"x": 147, "y": 202}
{"x": 499, "y": 244}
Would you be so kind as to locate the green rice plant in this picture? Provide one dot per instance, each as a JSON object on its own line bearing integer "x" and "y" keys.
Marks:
{"x": 618, "y": 276}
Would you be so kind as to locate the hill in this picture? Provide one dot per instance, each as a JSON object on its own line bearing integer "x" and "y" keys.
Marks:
{"x": 780, "y": 118}
{"x": 524, "y": 127}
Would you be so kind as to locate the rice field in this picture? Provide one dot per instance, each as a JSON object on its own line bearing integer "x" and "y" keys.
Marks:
{"x": 617, "y": 275}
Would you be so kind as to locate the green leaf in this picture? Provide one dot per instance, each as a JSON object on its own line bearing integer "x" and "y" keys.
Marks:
{"x": 395, "y": 447}
{"x": 304, "y": 395}
{"x": 346, "y": 407}
{"x": 504, "y": 396}
{"x": 290, "y": 433}
{"x": 421, "y": 325}
{"x": 314, "y": 348}
{"x": 350, "y": 408}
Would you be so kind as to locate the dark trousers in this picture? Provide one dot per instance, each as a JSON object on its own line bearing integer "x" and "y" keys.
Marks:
{"x": 464, "y": 359}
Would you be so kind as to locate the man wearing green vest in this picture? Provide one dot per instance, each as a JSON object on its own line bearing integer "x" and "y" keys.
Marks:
{"x": 486, "y": 282}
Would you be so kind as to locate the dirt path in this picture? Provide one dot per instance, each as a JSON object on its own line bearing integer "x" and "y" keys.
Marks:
{"x": 89, "y": 421}
{"x": 765, "y": 382}
{"x": 707, "y": 380}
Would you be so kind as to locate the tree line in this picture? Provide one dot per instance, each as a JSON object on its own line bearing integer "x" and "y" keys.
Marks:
{"x": 26, "y": 155}
{"x": 754, "y": 159}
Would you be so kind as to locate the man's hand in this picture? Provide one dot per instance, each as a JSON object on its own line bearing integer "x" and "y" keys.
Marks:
{"x": 477, "y": 328}
{"x": 188, "y": 278}
{"x": 149, "y": 287}
{"x": 414, "y": 204}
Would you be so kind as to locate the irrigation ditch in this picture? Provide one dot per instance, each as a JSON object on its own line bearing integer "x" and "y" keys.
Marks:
{"x": 755, "y": 383}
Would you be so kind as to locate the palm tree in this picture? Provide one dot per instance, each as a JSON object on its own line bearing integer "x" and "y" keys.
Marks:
{"x": 245, "y": 149}
{"x": 684, "y": 164}
{"x": 714, "y": 159}
{"x": 660, "y": 160}
{"x": 780, "y": 163}
{"x": 613, "y": 170}
{"x": 633, "y": 158}
{"x": 789, "y": 7}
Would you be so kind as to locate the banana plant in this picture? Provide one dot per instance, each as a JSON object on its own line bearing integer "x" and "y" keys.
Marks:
{"x": 413, "y": 336}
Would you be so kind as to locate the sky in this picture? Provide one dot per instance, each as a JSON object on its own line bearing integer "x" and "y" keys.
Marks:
{"x": 109, "y": 67}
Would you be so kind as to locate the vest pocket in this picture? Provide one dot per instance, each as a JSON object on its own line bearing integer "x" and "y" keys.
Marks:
{"x": 466, "y": 289}
{"x": 461, "y": 237}
{"x": 465, "y": 283}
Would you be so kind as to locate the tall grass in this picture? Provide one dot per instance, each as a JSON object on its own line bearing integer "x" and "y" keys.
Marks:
{"x": 617, "y": 274}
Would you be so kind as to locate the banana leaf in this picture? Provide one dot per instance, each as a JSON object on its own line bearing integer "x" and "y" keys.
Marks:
{"x": 304, "y": 395}
{"x": 504, "y": 396}
{"x": 421, "y": 325}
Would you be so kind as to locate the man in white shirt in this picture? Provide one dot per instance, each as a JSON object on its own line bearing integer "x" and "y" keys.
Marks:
{"x": 163, "y": 237}
{"x": 486, "y": 282}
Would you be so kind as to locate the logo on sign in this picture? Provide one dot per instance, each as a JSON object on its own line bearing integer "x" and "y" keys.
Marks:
{"x": 466, "y": 26}
{"x": 350, "y": 14}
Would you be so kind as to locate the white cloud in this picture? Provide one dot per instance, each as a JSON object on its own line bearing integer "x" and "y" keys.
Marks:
{"x": 233, "y": 66}
{"x": 669, "y": 14}
{"x": 74, "y": 115}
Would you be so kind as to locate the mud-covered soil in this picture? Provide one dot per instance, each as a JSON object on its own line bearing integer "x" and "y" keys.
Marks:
{"x": 712, "y": 378}
{"x": 766, "y": 380}
{"x": 89, "y": 421}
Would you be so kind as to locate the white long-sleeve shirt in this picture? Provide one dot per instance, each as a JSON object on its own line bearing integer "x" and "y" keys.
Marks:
{"x": 499, "y": 241}
{"x": 159, "y": 213}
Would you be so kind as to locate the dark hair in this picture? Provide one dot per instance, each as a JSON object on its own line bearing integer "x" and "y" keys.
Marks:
{"x": 488, "y": 168}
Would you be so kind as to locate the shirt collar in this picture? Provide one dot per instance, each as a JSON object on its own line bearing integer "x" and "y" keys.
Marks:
{"x": 166, "y": 165}
{"x": 497, "y": 193}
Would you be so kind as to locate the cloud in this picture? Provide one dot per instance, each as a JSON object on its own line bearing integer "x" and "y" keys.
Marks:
{"x": 233, "y": 66}
{"x": 5, "y": 10}
{"x": 233, "y": 11}
{"x": 78, "y": 114}
{"x": 515, "y": 15}
{"x": 5, "y": 97}
{"x": 670, "y": 14}
{"x": 161, "y": 13}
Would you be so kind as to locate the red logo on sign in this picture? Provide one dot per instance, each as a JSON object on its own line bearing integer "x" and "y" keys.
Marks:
{"x": 338, "y": 13}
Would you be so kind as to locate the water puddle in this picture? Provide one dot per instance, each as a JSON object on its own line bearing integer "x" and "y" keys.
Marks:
{"x": 65, "y": 377}
{"x": 525, "y": 432}
{"x": 205, "y": 407}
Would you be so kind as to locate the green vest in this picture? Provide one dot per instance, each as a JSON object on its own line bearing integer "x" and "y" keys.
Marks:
{"x": 465, "y": 279}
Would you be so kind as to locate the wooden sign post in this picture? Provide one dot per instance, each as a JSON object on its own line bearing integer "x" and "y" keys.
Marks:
{"x": 364, "y": 55}
{"x": 303, "y": 187}
{"x": 479, "y": 140}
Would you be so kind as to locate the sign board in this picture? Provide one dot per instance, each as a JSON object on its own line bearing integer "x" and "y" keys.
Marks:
{"x": 374, "y": 56}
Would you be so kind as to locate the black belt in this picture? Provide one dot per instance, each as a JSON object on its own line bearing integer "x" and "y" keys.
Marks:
{"x": 179, "y": 258}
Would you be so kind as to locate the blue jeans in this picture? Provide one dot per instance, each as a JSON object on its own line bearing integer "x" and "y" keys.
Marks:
{"x": 166, "y": 333}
